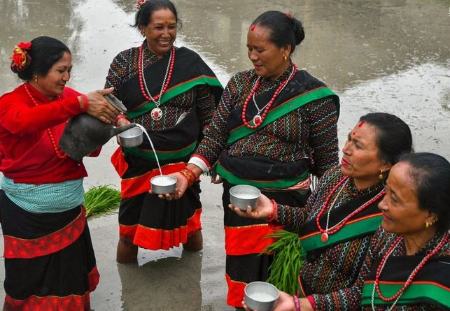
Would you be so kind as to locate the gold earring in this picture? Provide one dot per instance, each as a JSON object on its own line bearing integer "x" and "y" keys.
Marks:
{"x": 381, "y": 176}
{"x": 428, "y": 224}
{"x": 285, "y": 57}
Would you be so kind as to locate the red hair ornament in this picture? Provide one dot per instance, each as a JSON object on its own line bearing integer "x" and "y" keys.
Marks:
{"x": 20, "y": 58}
{"x": 140, "y": 3}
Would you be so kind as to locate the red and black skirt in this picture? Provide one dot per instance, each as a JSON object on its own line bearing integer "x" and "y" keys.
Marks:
{"x": 245, "y": 242}
{"x": 146, "y": 220}
{"x": 49, "y": 259}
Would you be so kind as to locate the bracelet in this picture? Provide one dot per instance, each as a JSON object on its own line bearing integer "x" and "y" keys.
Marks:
{"x": 119, "y": 117}
{"x": 296, "y": 303}
{"x": 83, "y": 100}
{"x": 273, "y": 215}
{"x": 189, "y": 175}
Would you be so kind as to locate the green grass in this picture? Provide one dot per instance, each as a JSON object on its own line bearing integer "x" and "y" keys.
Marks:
{"x": 101, "y": 200}
{"x": 288, "y": 260}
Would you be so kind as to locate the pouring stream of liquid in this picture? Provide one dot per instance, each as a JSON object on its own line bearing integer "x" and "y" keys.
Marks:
{"x": 153, "y": 147}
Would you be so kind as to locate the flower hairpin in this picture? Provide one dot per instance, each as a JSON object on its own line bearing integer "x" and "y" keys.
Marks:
{"x": 20, "y": 57}
{"x": 139, "y": 3}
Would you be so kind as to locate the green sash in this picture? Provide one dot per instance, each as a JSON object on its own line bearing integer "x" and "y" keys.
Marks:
{"x": 281, "y": 110}
{"x": 162, "y": 154}
{"x": 174, "y": 91}
{"x": 416, "y": 293}
{"x": 354, "y": 228}
{"x": 267, "y": 184}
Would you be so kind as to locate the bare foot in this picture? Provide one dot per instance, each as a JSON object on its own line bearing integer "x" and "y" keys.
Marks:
{"x": 126, "y": 252}
{"x": 194, "y": 242}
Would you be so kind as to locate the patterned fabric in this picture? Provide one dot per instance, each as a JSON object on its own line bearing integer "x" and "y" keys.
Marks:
{"x": 46, "y": 198}
{"x": 328, "y": 270}
{"x": 309, "y": 132}
{"x": 125, "y": 67}
{"x": 144, "y": 219}
{"x": 348, "y": 297}
{"x": 49, "y": 259}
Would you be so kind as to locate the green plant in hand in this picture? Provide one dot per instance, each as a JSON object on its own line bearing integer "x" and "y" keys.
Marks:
{"x": 100, "y": 200}
{"x": 288, "y": 260}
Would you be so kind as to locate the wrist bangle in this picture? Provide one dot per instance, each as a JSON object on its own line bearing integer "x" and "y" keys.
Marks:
{"x": 189, "y": 175}
{"x": 296, "y": 303}
{"x": 273, "y": 215}
{"x": 83, "y": 100}
{"x": 120, "y": 116}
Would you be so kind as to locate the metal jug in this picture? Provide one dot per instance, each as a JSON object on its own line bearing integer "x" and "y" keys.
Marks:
{"x": 83, "y": 134}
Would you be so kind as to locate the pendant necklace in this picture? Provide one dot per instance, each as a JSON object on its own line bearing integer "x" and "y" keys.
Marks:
{"x": 156, "y": 112}
{"x": 396, "y": 296}
{"x": 261, "y": 114}
{"x": 324, "y": 236}
{"x": 326, "y": 207}
{"x": 59, "y": 153}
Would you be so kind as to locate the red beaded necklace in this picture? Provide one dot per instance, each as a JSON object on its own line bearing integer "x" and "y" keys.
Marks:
{"x": 156, "y": 112}
{"x": 408, "y": 282}
{"x": 327, "y": 206}
{"x": 259, "y": 119}
{"x": 59, "y": 153}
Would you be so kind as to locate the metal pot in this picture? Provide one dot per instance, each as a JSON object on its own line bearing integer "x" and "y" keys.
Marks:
{"x": 84, "y": 134}
{"x": 132, "y": 137}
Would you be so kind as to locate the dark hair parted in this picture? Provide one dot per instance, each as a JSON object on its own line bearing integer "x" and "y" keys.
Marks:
{"x": 284, "y": 29}
{"x": 393, "y": 135}
{"x": 44, "y": 53}
{"x": 430, "y": 174}
{"x": 145, "y": 12}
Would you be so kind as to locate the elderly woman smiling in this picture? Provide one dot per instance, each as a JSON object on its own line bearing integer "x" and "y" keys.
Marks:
{"x": 341, "y": 216}
{"x": 409, "y": 259}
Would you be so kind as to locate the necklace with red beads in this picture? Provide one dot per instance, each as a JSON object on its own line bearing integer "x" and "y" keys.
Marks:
{"x": 258, "y": 119}
{"x": 59, "y": 153}
{"x": 156, "y": 112}
{"x": 396, "y": 296}
{"x": 326, "y": 207}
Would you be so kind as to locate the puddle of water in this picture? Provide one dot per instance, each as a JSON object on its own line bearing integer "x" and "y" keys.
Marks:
{"x": 420, "y": 96}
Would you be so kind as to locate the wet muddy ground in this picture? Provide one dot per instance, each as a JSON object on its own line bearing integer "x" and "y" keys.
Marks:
{"x": 379, "y": 55}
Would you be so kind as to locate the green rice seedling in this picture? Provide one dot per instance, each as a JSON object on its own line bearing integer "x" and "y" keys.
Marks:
{"x": 100, "y": 200}
{"x": 288, "y": 260}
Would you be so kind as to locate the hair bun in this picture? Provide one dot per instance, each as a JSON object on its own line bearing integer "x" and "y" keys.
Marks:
{"x": 299, "y": 33}
{"x": 20, "y": 58}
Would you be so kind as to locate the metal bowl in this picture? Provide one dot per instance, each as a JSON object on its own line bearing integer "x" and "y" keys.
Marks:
{"x": 162, "y": 184}
{"x": 243, "y": 196}
{"x": 260, "y": 296}
{"x": 131, "y": 138}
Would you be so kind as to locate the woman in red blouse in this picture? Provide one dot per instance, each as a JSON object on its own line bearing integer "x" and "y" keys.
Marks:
{"x": 49, "y": 259}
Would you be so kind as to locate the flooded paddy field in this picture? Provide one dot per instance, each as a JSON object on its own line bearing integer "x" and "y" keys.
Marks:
{"x": 380, "y": 55}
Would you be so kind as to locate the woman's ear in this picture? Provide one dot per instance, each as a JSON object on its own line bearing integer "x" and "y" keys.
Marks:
{"x": 432, "y": 218}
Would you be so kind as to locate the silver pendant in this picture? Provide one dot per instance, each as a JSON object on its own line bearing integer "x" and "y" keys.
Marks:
{"x": 156, "y": 114}
{"x": 257, "y": 120}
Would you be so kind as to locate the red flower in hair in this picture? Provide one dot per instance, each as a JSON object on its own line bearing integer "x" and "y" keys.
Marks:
{"x": 139, "y": 3}
{"x": 20, "y": 58}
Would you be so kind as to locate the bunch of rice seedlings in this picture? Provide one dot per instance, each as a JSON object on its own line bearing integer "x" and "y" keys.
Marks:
{"x": 100, "y": 200}
{"x": 288, "y": 259}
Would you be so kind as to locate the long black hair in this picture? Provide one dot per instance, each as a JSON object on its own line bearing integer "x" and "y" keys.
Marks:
{"x": 43, "y": 54}
{"x": 285, "y": 30}
{"x": 146, "y": 10}
{"x": 430, "y": 174}
{"x": 393, "y": 137}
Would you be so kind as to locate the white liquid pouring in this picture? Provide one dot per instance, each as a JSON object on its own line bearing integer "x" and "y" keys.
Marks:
{"x": 153, "y": 147}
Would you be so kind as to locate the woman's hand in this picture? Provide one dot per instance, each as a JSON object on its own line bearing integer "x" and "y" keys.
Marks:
{"x": 99, "y": 107}
{"x": 284, "y": 303}
{"x": 262, "y": 210}
{"x": 180, "y": 189}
